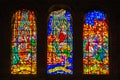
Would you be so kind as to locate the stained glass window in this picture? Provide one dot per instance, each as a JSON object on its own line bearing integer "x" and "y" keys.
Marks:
{"x": 24, "y": 42}
{"x": 60, "y": 43}
{"x": 95, "y": 43}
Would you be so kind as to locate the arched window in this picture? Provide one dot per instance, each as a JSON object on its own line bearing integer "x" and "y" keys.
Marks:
{"x": 60, "y": 43}
{"x": 95, "y": 43}
{"x": 24, "y": 43}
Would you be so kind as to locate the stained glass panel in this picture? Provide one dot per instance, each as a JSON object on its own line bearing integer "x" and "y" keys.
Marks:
{"x": 95, "y": 43}
{"x": 24, "y": 42}
{"x": 60, "y": 43}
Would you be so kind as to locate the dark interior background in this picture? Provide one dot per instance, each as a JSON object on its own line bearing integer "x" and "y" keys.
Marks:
{"x": 42, "y": 8}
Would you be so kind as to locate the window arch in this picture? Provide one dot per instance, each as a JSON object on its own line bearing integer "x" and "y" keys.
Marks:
{"x": 24, "y": 43}
{"x": 60, "y": 43}
{"x": 95, "y": 43}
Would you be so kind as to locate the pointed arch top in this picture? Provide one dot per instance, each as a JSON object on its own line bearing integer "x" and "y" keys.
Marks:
{"x": 58, "y": 7}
